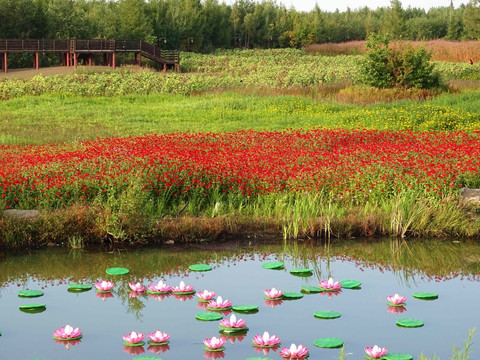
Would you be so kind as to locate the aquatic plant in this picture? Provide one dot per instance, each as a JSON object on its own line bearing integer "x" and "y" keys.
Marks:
{"x": 159, "y": 287}
{"x": 330, "y": 285}
{"x": 375, "y": 352}
{"x": 294, "y": 352}
{"x": 159, "y": 338}
{"x": 266, "y": 340}
{"x": 396, "y": 300}
{"x": 233, "y": 322}
{"x": 104, "y": 285}
{"x": 219, "y": 304}
{"x": 67, "y": 332}
{"x": 273, "y": 294}
{"x": 133, "y": 338}
{"x": 137, "y": 287}
{"x": 214, "y": 343}
{"x": 205, "y": 295}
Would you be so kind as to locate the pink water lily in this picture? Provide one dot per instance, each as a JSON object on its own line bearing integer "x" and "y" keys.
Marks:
{"x": 396, "y": 299}
{"x": 206, "y": 295}
{"x": 134, "y": 337}
{"x": 266, "y": 340}
{"x": 137, "y": 287}
{"x": 159, "y": 287}
{"x": 219, "y": 304}
{"x": 214, "y": 343}
{"x": 375, "y": 352}
{"x": 67, "y": 332}
{"x": 233, "y": 322}
{"x": 330, "y": 284}
{"x": 159, "y": 337}
{"x": 183, "y": 288}
{"x": 294, "y": 352}
{"x": 104, "y": 285}
{"x": 273, "y": 294}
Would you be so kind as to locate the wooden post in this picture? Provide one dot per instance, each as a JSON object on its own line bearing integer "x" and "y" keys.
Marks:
{"x": 35, "y": 61}
{"x": 90, "y": 59}
{"x": 139, "y": 59}
{"x": 164, "y": 67}
{"x": 113, "y": 61}
{"x": 67, "y": 55}
{"x": 75, "y": 59}
{"x": 4, "y": 62}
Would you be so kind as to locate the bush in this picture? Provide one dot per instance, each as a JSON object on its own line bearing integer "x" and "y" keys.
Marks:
{"x": 399, "y": 66}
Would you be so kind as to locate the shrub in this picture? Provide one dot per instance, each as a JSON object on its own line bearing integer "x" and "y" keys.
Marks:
{"x": 399, "y": 66}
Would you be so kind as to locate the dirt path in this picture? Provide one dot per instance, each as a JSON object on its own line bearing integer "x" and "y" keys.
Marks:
{"x": 48, "y": 71}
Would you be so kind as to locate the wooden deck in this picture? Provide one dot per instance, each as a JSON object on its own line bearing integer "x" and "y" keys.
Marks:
{"x": 70, "y": 50}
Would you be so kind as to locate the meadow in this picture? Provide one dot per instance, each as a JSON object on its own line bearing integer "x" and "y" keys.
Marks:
{"x": 274, "y": 142}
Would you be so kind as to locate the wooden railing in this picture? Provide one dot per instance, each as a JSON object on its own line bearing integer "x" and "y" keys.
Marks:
{"x": 91, "y": 46}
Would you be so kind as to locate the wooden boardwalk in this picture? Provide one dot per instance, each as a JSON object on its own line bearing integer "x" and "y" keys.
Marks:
{"x": 72, "y": 50}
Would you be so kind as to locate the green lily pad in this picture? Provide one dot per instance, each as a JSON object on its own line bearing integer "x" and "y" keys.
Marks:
{"x": 328, "y": 342}
{"x": 327, "y": 314}
{"x": 397, "y": 356}
{"x": 425, "y": 295}
{"x": 245, "y": 308}
{"x": 146, "y": 358}
{"x": 68, "y": 339}
{"x": 290, "y": 295}
{"x": 234, "y": 333}
{"x": 311, "y": 289}
{"x": 117, "y": 271}
{"x": 208, "y": 316}
{"x": 30, "y": 293}
{"x": 158, "y": 292}
{"x": 397, "y": 305}
{"x": 32, "y": 306}
{"x": 79, "y": 287}
{"x": 206, "y": 348}
{"x": 219, "y": 309}
{"x": 266, "y": 346}
{"x": 141, "y": 343}
{"x": 33, "y": 310}
{"x": 410, "y": 323}
{"x": 232, "y": 330}
{"x": 200, "y": 267}
{"x": 150, "y": 342}
{"x": 301, "y": 272}
{"x": 350, "y": 284}
{"x": 273, "y": 265}
{"x": 183, "y": 292}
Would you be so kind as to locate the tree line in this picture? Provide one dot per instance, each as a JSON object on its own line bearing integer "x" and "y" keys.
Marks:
{"x": 204, "y": 25}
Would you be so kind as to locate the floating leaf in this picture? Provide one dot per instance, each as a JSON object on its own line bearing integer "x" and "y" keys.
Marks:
{"x": 158, "y": 292}
{"x": 117, "y": 271}
{"x": 219, "y": 309}
{"x": 200, "y": 267}
{"x": 232, "y": 330}
{"x": 208, "y": 316}
{"x": 245, "y": 308}
{"x": 79, "y": 287}
{"x": 150, "y": 342}
{"x": 273, "y": 265}
{"x": 301, "y": 272}
{"x": 30, "y": 293}
{"x": 425, "y": 295}
{"x": 289, "y": 295}
{"x": 397, "y": 356}
{"x": 311, "y": 289}
{"x": 206, "y": 348}
{"x": 350, "y": 284}
{"x": 31, "y": 306}
{"x": 327, "y": 314}
{"x": 141, "y": 343}
{"x": 183, "y": 292}
{"x": 410, "y": 323}
{"x": 328, "y": 342}
{"x": 68, "y": 339}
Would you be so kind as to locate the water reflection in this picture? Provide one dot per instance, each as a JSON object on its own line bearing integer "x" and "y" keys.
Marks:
{"x": 159, "y": 297}
{"x": 133, "y": 350}
{"x": 183, "y": 297}
{"x": 68, "y": 344}
{"x": 331, "y": 294}
{"x": 396, "y": 309}
{"x": 273, "y": 303}
{"x": 104, "y": 295}
{"x": 158, "y": 349}
{"x": 214, "y": 355}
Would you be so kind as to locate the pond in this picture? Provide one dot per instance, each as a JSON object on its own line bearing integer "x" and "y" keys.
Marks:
{"x": 450, "y": 269}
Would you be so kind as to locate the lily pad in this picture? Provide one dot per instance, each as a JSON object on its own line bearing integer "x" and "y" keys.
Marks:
{"x": 219, "y": 309}
{"x": 79, "y": 287}
{"x": 158, "y": 292}
{"x": 183, "y": 292}
{"x": 33, "y": 310}
{"x": 273, "y": 265}
{"x": 232, "y": 330}
{"x": 200, "y": 267}
{"x": 32, "y": 306}
{"x": 208, "y": 316}
{"x": 397, "y": 305}
{"x": 117, "y": 271}
{"x": 141, "y": 343}
{"x": 30, "y": 293}
{"x": 410, "y": 323}
{"x": 150, "y": 342}
{"x": 245, "y": 308}
{"x": 425, "y": 295}
{"x": 328, "y": 342}
{"x": 290, "y": 295}
{"x": 350, "y": 284}
{"x": 327, "y": 314}
{"x": 206, "y": 348}
{"x": 301, "y": 272}
{"x": 311, "y": 289}
{"x": 68, "y": 339}
{"x": 397, "y": 356}
{"x": 266, "y": 346}
{"x": 234, "y": 333}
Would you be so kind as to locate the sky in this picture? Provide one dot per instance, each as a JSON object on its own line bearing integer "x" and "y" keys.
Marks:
{"x": 341, "y": 5}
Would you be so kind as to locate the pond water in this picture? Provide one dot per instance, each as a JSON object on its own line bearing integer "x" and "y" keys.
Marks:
{"x": 452, "y": 270}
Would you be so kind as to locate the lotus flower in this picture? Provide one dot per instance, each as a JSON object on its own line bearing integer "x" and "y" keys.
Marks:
{"x": 396, "y": 300}
{"x": 206, "y": 295}
{"x": 134, "y": 338}
{"x": 104, "y": 285}
{"x": 330, "y": 284}
{"x": 159, "y": 287}
{"x": 273, "y": 294}
{"x": 219, "y": 304}
{"x": 233, "y": 322}
{"x": 159, "y": 337}
{"x": 67, "y": 333}
{"x": 137, "y": 287}
{"x": 214, "y": 343}
{"x": 375, "y": 352}
{"x": 295, "y": 352}
{"x": 183, "y": 288}
{"x": 266, "y": 340}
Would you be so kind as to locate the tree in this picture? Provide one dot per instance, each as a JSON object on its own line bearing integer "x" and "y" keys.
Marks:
{"x": 471, "y": 20}
{"x": 400, "y": 66}
{"x": 394, "y": 21}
